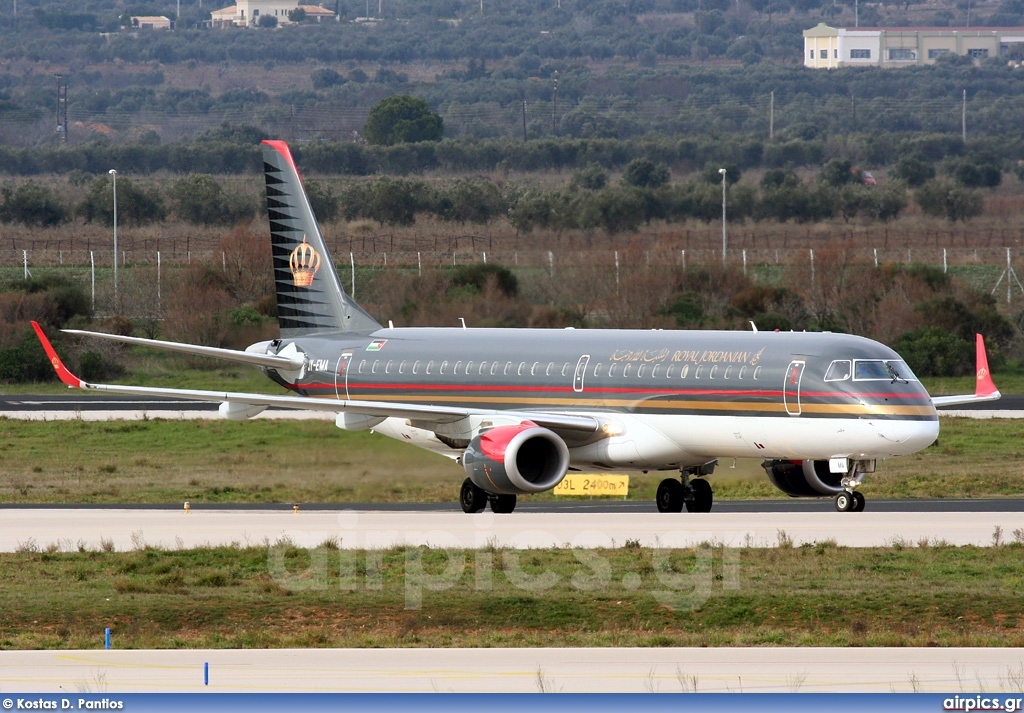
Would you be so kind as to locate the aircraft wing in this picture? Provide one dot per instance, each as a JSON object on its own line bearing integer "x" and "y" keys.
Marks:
{"x": 433, "y": 414}
{"x": 984, "y": 391}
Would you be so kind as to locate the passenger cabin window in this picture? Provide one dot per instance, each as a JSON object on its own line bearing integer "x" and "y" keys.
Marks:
{"x": 444, "y": 365}
{"x": 838, "y": 370}
{"x": 627, "y": 369}
{"x": 401, "y": 367}
{"x": 684, "y": 371}
{"x": 533, "y": 369}
{"x": 508, "y": 367}
{"x": 430, "y": 366}
{"x": 415, "y": 367}
{"x": 469, "y": 367}
{"x": 387, "y": 367}
{"x": 483, "y": 368}
{"x": 670, "y": 371}
{"x": 743, "y": 372}
{"x": 640, "y": 370}
{"x": 597, "y": 370}
{"x": 757, "y": 373}
{"x": 655, "y": 370}
{"x": 565, "y": 369}
{"x": 494, "y": 368}
{"x": 362, "y": 364}
{"x": 699, "y": 372}
{"x": 373, "y": 369}
{"x": 551, "y": 366}
{"x": 458, "y": 365}
{"x": 611, "y": 371}
{"x": 728, "y": 372}
{"x": 714, "y": 370}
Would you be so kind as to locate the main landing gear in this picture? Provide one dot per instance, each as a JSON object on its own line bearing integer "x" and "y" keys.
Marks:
{"x": 696, "y": 494}
{"x": 850, "y": 501}
{"x": 474, "y": 499}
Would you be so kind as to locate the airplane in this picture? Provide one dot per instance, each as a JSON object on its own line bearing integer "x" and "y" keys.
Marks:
{"x": 519, "y": 408}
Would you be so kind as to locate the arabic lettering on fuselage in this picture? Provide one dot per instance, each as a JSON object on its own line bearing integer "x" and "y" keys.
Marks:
{"x": 692, "y": 356}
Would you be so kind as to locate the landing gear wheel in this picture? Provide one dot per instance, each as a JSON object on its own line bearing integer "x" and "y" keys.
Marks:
{"x": 472, "y": 498}
{"x": 703, "y": 496}
{"x": 844, "y": 501}
{"x": 503, "y": 504}
{"x": 670, "y": 496}
{"x": 858, "y": 501}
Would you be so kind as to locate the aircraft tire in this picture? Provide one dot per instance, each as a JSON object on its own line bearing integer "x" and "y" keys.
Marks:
{"x": 472, "y": 498}
{"x": 844, "y": 501}
{"x": 670, "y": 495}
{"x": 858, "y": 501}
{"x": 503, "y": 504}
{"x": 703, "y": 496}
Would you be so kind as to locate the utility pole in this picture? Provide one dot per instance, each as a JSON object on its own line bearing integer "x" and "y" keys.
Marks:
{"x": 963, "y": 118}
{"x": 725, "y": 241}
{"x": 554, "y": 105}
{"x": 62, "y": 109}
{"x": 113, "y": 174}
{"x": 771, "y": 116}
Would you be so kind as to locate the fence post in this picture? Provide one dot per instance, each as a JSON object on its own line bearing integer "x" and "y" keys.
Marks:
{"x": 551, "y": 265}
{"x": 419, "y": 264}
{"x": 158, "y": 276}
{"x": 616, "y": 270}
{"x": 92, "y": 269}
{"x": 352, "y": 260}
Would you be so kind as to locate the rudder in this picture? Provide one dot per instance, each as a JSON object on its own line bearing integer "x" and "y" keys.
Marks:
{"x": 310, "y": 298}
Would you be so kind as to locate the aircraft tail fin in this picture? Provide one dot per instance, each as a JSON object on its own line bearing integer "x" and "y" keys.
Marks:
{"x": 310, "y": 298}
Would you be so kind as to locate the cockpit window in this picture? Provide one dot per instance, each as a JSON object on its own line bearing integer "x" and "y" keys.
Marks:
{"x": 882, "y": 370}
{"x": 838, "y": 370}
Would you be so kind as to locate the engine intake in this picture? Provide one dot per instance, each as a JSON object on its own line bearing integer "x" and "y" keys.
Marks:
{"x": 803, "y": 478}
{"x": 516, "y": 459}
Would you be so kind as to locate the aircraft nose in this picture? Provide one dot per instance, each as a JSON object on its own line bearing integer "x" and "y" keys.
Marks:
{"x": 907, "y": 437}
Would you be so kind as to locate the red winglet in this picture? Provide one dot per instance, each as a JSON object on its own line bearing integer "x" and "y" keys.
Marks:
{"x": 985, "y": 386}
{"x": 62, "y": 371}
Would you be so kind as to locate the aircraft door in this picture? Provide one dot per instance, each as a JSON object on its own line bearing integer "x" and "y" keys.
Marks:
{"x": 341, "y": 375}
{"x": 581, "y": 371}
{"x": 791, "y": 389}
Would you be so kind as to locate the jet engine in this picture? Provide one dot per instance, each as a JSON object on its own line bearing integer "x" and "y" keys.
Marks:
{"x": 524, "y": 458}
{"x": 803, "y": 478}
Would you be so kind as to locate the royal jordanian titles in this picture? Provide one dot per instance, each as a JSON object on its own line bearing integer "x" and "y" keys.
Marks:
{"x": 519, "y": 408}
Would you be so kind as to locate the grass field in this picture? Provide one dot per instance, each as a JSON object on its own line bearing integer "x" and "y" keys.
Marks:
{"x": 281, "y": 596}
{"x": 218, "y": 461}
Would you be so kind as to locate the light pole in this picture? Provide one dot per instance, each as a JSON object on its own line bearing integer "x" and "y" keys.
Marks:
{"x": 113, "y": 174}
{"x": 725, "y": 242}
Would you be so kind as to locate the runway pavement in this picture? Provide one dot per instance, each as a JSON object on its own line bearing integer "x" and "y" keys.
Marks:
{"x": 633, "y": 670}
{"x": 80, "y": 528}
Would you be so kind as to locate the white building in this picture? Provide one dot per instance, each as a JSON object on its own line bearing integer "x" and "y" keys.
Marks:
{"x": 248, "y": 12}
{"x": 157, "y": 22}
{"x": 830, "y": 47}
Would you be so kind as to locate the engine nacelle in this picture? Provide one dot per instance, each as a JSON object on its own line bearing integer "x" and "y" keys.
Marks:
{"x": 803, "y": 478}
{"x": 234, "y": 411}
{"x": 516, "y": 459}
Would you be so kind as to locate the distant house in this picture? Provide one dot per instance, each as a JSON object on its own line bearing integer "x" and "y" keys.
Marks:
{"x": 830, "y": 47}
{"x": 158, "y": 22}
{"x": 248, "y": 12}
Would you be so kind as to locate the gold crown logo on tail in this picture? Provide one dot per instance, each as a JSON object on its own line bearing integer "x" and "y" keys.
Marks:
{"x": 304, "y": 262}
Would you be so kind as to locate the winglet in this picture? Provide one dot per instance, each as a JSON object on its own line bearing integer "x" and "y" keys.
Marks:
{"x": 62, "y": 371}
{"x": 985, "y": 386}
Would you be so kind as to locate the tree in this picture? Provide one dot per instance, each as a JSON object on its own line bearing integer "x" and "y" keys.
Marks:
{"x": 135, "y": 206}
{"x": 474, "y": 200}
{"x": 915, "y": 169}
{"x": 325, "y": 78}
{"x": 591, "y": 177}
{"x": 838, "y": 172}
{"x": 297, "y": 15}
{"x": 200, "y": 200}
{"x": 945, "y": 200}
{"x": 267, "y": 21}
{"x": 644, "y": 173}
{"x": 31, "y": 204}
{"x": 402, "y": 119}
